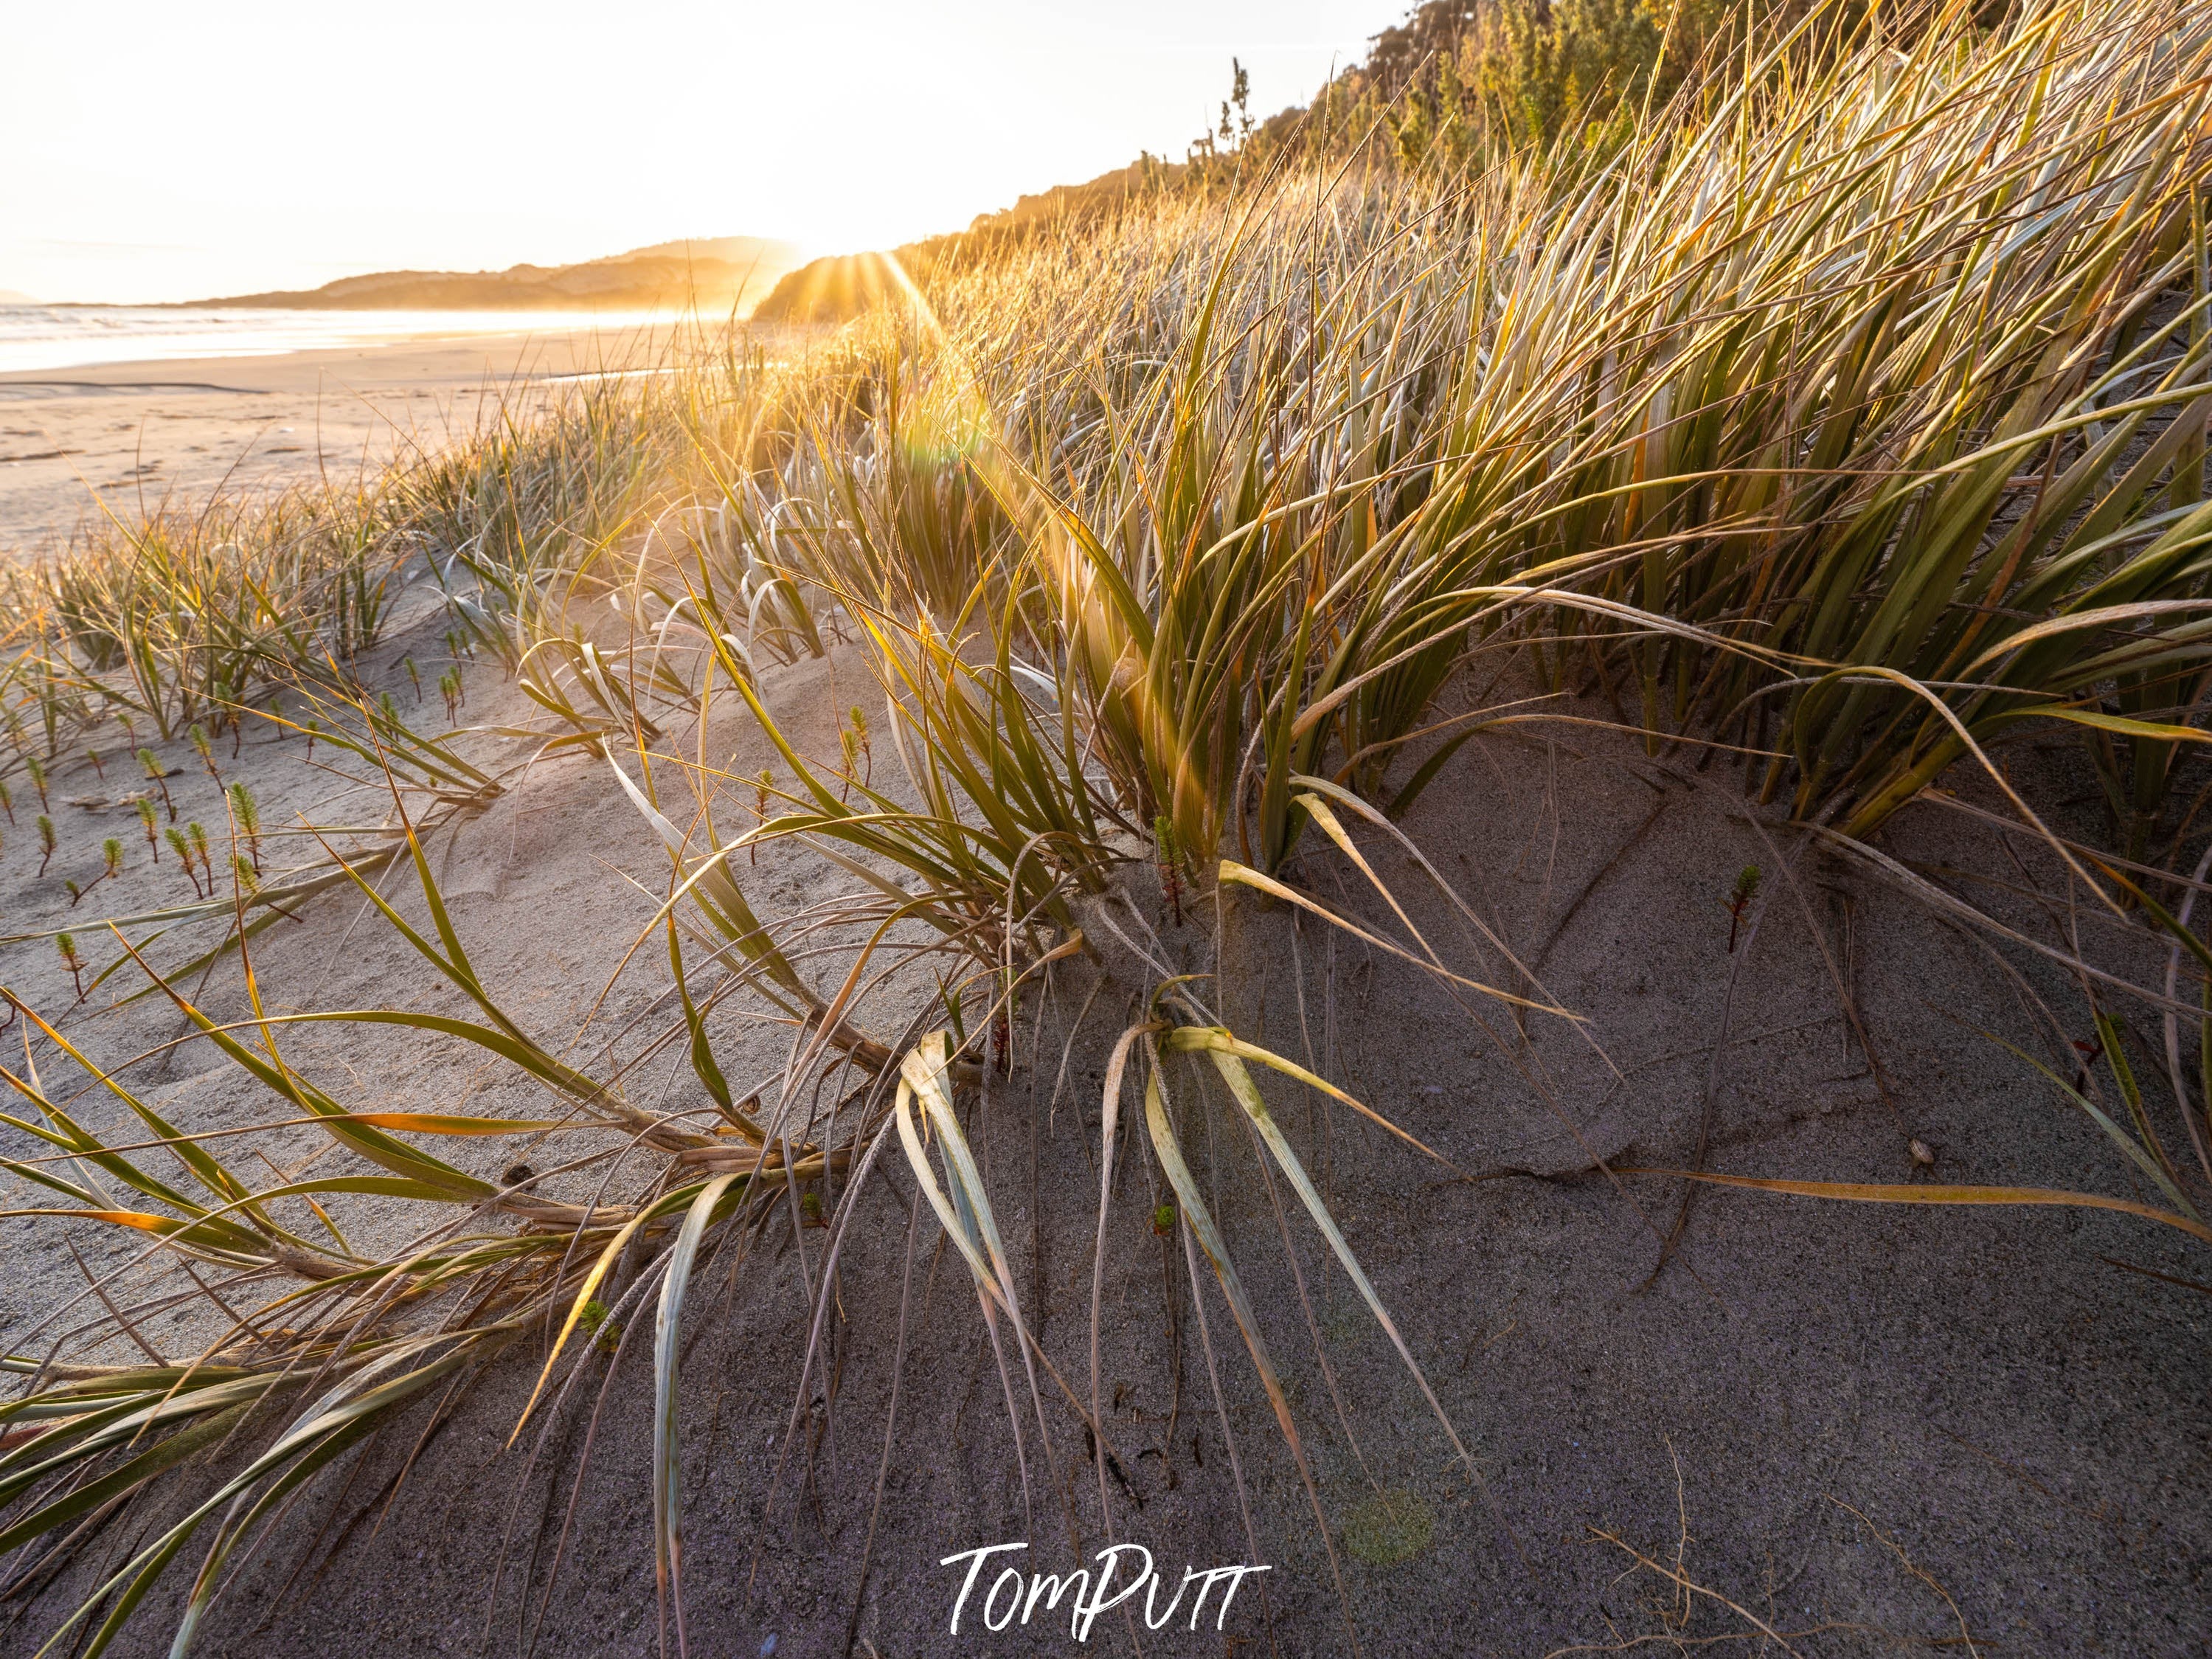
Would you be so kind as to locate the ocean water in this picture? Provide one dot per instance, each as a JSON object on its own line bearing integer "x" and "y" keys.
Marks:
{"x": 43, "y": 339}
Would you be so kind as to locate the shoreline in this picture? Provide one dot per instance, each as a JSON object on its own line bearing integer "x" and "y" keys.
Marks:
{"x": 140, "y": 434}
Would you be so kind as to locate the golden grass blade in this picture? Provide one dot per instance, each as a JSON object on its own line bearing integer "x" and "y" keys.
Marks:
{"x": 1110, "y": 1121}
{"x": 966, "y": 1215}
{"x": 667, "y": 1493}
{"x": 1228, "y": 1056}
{"x": 1199, "y": 1220}
{"x": 1865, "y": 1193}
{"x": 729, "y": 911}
{"x": 1232, "y": 872}
{"x": 592, "y": 1279}
{"x": 1224, "y": 1045}
{"x": 433, "y": 1123}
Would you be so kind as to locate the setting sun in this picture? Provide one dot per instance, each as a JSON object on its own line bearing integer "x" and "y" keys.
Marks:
{"x": 171, "y": 153}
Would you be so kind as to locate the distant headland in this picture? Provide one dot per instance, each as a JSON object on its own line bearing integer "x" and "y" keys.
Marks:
{"x": 718, "y": 273}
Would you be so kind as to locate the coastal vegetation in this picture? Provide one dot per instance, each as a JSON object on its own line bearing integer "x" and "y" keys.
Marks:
{"x": 1822, "y": 401}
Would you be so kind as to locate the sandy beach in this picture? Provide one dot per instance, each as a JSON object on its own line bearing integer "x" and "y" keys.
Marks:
{"x": 127, "y": 437}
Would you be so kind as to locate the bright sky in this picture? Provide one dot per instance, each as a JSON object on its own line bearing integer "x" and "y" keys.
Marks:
{"x": 160, "y": 151}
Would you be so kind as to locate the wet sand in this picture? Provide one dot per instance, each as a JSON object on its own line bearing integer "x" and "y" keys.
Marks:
{"x": 126, "y": 437}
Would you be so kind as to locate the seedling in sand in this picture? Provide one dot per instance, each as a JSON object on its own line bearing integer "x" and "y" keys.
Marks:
{"x": 99, "y": 770}
{"x": 111, "y": 853}
{"x": 449, "y": 688}
{"x": 196, "y": 832}
{"x": 414, "y": 676}
{"x": 67, "y": 948}
{"x": 206, "y": 753}
{"x": 37, "y": 769}
{"x": 7, "y": 801}
{"x": 45, "y": 841}
{"x": 247, "y": 817}
{"x": 1164, "y": 1221}
{"x": 159, "y": 778}
{"x": 146, "y": 822}
{"x": 227, "y": 709}
{"x": 183, "y": 849}
{"x": 1747, "y": 890}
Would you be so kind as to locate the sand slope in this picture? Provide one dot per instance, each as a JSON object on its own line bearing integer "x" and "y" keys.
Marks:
{"x": 1863, "y": 1426}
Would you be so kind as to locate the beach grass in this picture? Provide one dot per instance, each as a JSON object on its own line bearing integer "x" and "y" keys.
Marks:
{"x": 1846, "y": 422}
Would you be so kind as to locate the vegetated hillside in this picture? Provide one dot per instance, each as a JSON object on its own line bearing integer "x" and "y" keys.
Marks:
{"x": 839, "y": 287}
{"x": 714, "y": 275}
{"x": 1454, "y": 87}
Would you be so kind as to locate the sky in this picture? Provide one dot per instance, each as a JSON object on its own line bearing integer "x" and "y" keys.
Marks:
{"x": 158, "y": 151}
